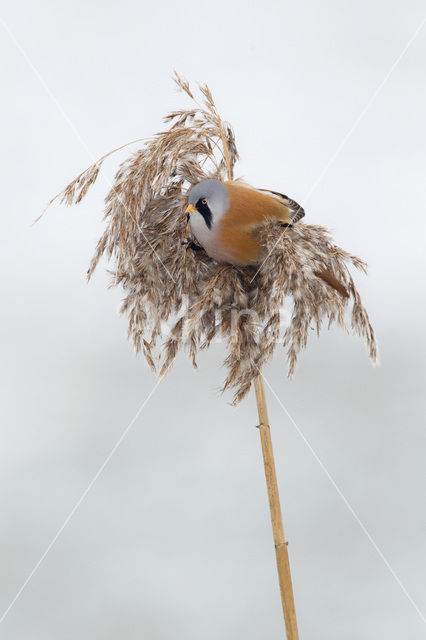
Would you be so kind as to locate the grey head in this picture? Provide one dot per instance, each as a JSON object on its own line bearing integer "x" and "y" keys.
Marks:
{"x": 208, "y": 202}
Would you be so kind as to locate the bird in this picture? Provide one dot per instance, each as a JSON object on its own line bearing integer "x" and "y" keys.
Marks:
{"x": 224, "y": 218}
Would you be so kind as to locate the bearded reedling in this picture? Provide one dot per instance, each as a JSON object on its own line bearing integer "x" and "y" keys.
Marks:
{"x": 225, "y": 217}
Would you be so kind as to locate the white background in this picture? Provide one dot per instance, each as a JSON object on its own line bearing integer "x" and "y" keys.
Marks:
{"x": 173, "y": 539}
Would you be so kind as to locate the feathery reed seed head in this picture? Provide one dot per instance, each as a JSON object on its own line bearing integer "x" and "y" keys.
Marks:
{"x": 145, "y": 228}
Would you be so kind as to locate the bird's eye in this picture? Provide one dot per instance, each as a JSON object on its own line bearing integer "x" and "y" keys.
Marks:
{"x": 204, "y": 201}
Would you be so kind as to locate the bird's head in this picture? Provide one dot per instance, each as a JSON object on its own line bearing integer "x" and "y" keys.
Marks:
{"x": 208, "y": 202}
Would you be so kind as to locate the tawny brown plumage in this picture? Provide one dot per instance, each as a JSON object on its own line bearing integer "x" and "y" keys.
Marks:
{"x": 329, "y": 277}
{"x": 232, "y": 235}
{"x": 248, "y": 209}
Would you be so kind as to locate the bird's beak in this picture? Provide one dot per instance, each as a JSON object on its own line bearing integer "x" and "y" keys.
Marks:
{"x": 188, "y": 210}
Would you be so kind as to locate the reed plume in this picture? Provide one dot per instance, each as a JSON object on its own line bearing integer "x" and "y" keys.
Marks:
{"x": 166, "y": 282}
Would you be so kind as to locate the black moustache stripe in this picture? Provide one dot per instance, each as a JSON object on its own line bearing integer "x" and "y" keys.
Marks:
{"x": 205, "y": 212}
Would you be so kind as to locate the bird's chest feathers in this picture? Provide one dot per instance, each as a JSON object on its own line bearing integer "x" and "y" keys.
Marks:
{"x": 209, "y": 239}
{"x": 226, "y": 242}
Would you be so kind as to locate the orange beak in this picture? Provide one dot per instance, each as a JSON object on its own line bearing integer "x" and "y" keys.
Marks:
{"x": 188, "y": 211}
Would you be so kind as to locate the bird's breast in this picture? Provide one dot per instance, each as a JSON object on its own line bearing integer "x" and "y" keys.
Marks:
{"x": 224, "y": 242}
{"x": 240, "y": 244}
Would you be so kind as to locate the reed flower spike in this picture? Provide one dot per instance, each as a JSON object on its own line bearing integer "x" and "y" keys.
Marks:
{"x": 296, "y": 265}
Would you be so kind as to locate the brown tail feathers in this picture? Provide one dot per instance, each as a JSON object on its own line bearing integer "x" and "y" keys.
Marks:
{"x": 331, "y": 279}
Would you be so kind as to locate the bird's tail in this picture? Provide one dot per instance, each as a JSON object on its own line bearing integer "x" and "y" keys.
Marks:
{"x": 330, "y": 279}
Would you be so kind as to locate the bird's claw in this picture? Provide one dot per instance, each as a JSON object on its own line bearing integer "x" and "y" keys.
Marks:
{"x": 189, "y": 244}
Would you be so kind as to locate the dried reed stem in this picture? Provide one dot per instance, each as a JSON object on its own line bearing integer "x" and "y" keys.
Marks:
{"x": 281, "y": 550}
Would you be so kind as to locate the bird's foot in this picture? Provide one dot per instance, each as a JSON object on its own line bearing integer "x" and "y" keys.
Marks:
{"x": 189, "y": 244}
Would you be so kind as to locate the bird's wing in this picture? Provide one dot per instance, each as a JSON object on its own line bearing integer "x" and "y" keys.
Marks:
{"x": 296, "y": 211}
